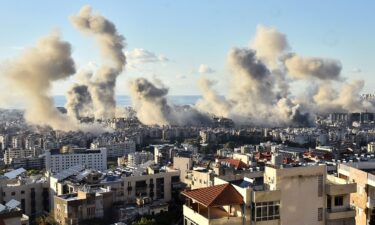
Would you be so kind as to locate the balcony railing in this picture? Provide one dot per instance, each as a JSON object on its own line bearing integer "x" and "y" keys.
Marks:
{"x": 340, "y": 213}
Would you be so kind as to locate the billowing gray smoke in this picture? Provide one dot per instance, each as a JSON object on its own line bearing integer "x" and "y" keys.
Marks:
{"x": 79, "y": 102}
{"x": 152, "y": 107}
{"x": 259, "y": 85}
{"x": 306, "y": 67}
{"x": 269, "y": 44}
{"x": 102, "y": 85}
{"x": 31, "y": 75}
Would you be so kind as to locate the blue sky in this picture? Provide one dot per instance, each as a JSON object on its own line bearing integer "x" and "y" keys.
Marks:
{"x": 194, "y": 32}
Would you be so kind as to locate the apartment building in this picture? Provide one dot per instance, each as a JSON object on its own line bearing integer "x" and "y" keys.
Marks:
{"x": 287, "y": 196}
{"x": 58, "y": 160}
{"x": 31, "y": 192}
{"x": 185, "y": 165}
{"x": 115, "y": 149}
{"x": 151, "y": 182}
{"x": 137, "y": 158}
{"x": 362, "y": 173}
{"x": 71, "y": 209}
{"x": 11, "y": 154}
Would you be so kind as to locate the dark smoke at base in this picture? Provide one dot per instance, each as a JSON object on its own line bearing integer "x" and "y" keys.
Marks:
{"x": 152, "y": 107}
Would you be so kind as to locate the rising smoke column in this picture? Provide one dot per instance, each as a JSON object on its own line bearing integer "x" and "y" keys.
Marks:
{"x": 258, "y": 85}
{"x": 78, "y": 101}
{"x": 211, "y": 101}
{"x": 31, "y": 75}
{"x": 150, "y": 102}
{"x": 102, "y": 86}
{"x": 152, "y": 107}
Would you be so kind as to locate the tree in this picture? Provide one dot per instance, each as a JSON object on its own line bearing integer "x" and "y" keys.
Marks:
{"x": 46, "y": 219}
{"x": 230, "y": 145}
{"x": 145, "y": 221}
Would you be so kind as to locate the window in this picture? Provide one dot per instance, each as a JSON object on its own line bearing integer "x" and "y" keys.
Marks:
{"x": 13, "y": 193}
{"x": 339, "y": 200}
{"x": 263, "y": 211}
{"x": 320, "y": 214}
{"x": 320, "y": 185}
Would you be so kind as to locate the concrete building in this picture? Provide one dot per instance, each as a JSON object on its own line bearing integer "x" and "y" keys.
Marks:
{"x": 59, "y": 160}
{"x": 364, "y": 199}
{"x": 185, "y": 165}
{"x": 28, "y": 163}
{"x": 277, "y": 200}
{"x": 11, "y": 214}
{"x": 31, "y": 192}
{"x": 10, "y": 154}
{"x": 137, "y": 158}
{"x": 152, "y": 182}
{"x": 115, "y": 149}
{"x": 71, "y": 209}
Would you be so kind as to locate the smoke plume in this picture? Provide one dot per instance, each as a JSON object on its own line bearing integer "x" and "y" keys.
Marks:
{"x": 78, "y": 101}
{"x": 102, "y": 85}
{"x": 211, "y": 101}
{"x": 307, "y": 67}
{"x": 32, "y": 74}
{"x": 152, "y": 107}
{"x": 269, "y": 44}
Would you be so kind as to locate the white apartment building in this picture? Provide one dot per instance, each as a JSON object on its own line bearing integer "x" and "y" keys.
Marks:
{"x": 138, "y": 158}
{"x": 116, "y": 149}
{"x": 59, "y": 160}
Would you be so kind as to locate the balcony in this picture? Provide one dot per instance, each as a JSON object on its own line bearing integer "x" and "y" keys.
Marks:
{"x": 340, "y": 213}
{"x": 216, "y": 216}
{"x": 338, "y": 186}
{"x": 266, "y": 196}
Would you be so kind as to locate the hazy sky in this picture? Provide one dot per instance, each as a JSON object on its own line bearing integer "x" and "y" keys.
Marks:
{"x": 179, "y": 36}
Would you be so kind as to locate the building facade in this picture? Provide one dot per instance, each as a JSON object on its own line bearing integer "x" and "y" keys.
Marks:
{"x": 59, "y": 160}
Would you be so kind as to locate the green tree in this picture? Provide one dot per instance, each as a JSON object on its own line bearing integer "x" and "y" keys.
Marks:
{"x": 46, "y": 219}
{"x": 145, "y": 221}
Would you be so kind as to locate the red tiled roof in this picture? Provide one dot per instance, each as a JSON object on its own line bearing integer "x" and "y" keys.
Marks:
{"x": 238, "y": 164}
{"x": 218, "y": 195}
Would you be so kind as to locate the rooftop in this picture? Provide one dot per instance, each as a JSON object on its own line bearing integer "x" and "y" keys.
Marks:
{"x": 218, "y": 195}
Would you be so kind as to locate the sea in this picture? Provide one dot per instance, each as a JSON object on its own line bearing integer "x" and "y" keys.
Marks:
{"x": 124, "y": 100}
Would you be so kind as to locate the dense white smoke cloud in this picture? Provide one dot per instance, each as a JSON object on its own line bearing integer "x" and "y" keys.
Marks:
{"x": 259, "y": 82}
{"x": 102, "y": 85}
{"x": 269, "y": 44}
{"x": 307, "y": 67}
{"x": 212, "y": 102}
{"x": 31, "y": 75}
